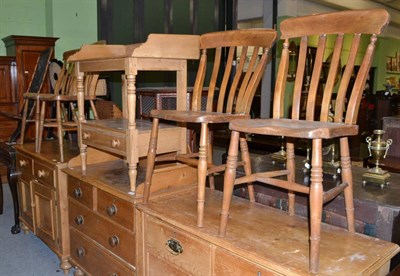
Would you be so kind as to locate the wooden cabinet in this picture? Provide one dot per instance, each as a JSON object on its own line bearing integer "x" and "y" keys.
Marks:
{"x": 101, "y": 229}
{"x": 43, "y": 195}
{"x": 26, "y": 50}
{"x": 260, "y": 241}
{"x": 8, "y": 93}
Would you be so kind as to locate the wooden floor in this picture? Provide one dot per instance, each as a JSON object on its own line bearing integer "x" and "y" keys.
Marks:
{"x": 273, "y": 238}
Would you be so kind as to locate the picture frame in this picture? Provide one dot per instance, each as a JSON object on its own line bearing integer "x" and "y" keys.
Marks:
{"x": 389, "y": 63}
{"x": 398, "y": 61}
{"x": 394, "y": 63}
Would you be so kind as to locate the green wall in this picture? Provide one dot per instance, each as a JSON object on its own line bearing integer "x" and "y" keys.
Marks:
{"x": 73, "y": 21}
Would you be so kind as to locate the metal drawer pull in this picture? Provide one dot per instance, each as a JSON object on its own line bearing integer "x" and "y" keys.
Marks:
{"x": 22, "y": 163}
{"x": 79, "y": 220}
{"x": 41, "y": 173}
{"x": 112, "y": 210}
{"x": 80, "y": 252}
{"x": 78, "y": 192}
{"x": 113, "y": 241}
{"x": 85, "y": 135}
{"x": 114, "y": 274}
{"x": 175, "y": 246}
{"x": 115, "y": 143}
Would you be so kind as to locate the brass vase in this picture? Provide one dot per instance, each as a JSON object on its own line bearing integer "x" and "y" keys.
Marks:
{"x": 378, "y": 149}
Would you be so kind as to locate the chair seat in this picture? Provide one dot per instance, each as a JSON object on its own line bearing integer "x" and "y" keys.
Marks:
{"x": 196, "y": 116}
{"x": 294, "y": 128}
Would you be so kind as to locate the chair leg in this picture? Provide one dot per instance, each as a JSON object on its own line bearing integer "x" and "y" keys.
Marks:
{"x": 59, "y": 130}
{"x": 23, "y": 123}
{"x": 290, "y": 166}
{"x": 41, "y": 125}
{"x": 229, "y": 179}
{"x": 316, "y": 198}
{"x": 37, "y": 122}
{"x": 347, "y": 177}
{"x": 202, "y": 173}
{"x": 244, "y": 149}
{"x": 151, "y": 156}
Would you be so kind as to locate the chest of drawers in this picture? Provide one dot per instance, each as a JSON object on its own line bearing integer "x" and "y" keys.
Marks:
{"x": 43, "y": 195}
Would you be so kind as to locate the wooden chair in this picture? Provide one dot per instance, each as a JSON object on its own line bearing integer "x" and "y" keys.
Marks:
{"x": 35, "y": 86}
{"x": 359, "y": 24}
{"x": 230, "y": 93}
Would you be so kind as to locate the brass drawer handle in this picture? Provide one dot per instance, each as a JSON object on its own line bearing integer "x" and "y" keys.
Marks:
{"x": 115, "y": 143}
{"x": 23, "y": 163}
{"x": 79, "y": 220}
{"x": 78, "y": 192}
{"x": 114, "y": 274}
{"x": 80, "y": 252}
{"x": 113, "y": 241}
{"x": 112, "y": 210}
{"x": 85, "y": 135}
{"x": 41, "y": 173}
{"x": 174, "y": 246}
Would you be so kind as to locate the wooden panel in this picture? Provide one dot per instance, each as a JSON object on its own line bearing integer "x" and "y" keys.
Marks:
{"x": 228, "y": 264}
{"x": 124, "y": 210}
{"x": 44, "y": 174}
{"x": 45, "y": 214}
{"x": 195, "y": 258}
{"x": 80, "y": 191}
{"x": 158, "y": 265}
{"x": 25, "y": 202}
{"x": 110, "y": 235}
{"x": 95, "y": 260}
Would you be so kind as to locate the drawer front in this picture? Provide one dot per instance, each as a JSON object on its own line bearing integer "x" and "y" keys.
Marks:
{"x": 107, "y": 140}
{"x": 24, "y": 165}
{"x": 95, "y": 260}
{"x": 182, "y": 251}
{"x": 224, "y": 261}
{"x": 80, "y": 191}
{"x": 113, "y": 237}
{"x": 44, "y": 174}
{"x": 112, "y": 207}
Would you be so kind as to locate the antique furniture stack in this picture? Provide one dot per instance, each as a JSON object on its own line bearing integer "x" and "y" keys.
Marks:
{"x": 90, "y": 210}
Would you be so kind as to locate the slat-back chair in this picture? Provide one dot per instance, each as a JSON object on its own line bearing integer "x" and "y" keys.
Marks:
{"x": 30, "y": 103}
{"x": 359, "y": 24}
{"x": 65, "y": 94}
{"x": 230, "y": 93}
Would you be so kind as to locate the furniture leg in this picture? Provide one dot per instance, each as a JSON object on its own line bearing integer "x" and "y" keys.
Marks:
{"x": 41, "y": 126}
{"x": 229, "y": 179}
{"x": 202, "y": 173}
{"x": 211, "y": 180}
{"x": 347, "y": 176}
{"x": 37, "y": 122}
{"x": 290, "y": 166}
{"x": 1, "y": 196}
{"x": 23, "y": 124}
{"x": 244, "y": 149}
{"x": 150, "y": 160}
{"x": 316, "y": 199}
{"x": 13, "y": 184}
{"x": 59, "y": 130}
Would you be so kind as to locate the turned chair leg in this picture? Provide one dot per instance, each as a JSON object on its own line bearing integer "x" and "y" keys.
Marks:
{"x": 202, "y": 173}
{"x": 37, "y": 123}
{"x": 316, "y": 201}
{"x": 59, "y": 130}
{"x": 229, "y": 179}
{"x": 23, "y": 123}
{"x": 291, "y": 167}
{"x": 151, "y": 156}
{"x": 347, "y": 177}
{"x": 41, "y": 126}
{"x": 244, "y": 149}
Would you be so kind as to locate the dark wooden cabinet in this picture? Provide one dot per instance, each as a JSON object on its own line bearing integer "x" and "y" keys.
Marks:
{"x": 8, "y": 100}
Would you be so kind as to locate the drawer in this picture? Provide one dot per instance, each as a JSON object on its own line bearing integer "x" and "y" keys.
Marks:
{"x": 106, "y": 139}
{"x": 225, "y": 259}
{"x": 95, "y": 260}
{"x": 24, "y": 165}
{"x": 44, "y": 174}
{"x": 80, "y": 191}
{"x": 110, "y": 235}
{"x": 112, "y": 207}
{"x": 193, "y": 258}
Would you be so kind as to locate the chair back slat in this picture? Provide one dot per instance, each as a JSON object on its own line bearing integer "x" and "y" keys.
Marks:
{"x": 239, "y": 58}
{"x": 331, "y": 79}
{"x": 339, "y": 39}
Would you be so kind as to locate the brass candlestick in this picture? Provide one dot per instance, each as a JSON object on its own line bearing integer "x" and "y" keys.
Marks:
{"x": 280, "y": 156}
{"x": 378, "y": 149}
